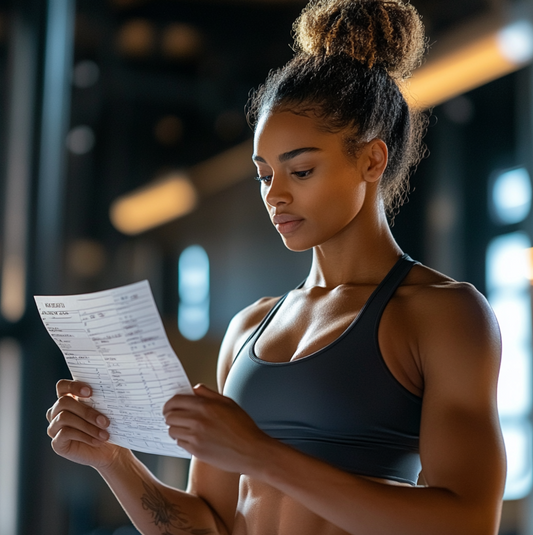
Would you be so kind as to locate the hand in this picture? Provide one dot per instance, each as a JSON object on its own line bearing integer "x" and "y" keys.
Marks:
{"x": 216, "y": 430}
{"x": 78, "y": 431}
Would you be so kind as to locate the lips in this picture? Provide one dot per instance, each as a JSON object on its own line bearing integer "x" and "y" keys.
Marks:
{"x": 279, "y": 219}
{"x": 286, "y": 223}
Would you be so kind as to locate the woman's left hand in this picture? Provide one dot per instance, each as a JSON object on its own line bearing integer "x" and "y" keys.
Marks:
{"x": 213, "y": 428}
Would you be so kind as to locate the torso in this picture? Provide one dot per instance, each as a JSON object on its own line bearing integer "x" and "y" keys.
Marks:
{"x": 313, "y": 318}
{"x": 263, "y": 510}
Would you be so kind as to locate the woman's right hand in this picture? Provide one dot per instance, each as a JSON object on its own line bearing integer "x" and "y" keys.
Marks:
{"x": 79, "y": 433}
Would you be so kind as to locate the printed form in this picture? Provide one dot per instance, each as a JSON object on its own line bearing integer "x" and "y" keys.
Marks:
{"x": 114, "y": 341}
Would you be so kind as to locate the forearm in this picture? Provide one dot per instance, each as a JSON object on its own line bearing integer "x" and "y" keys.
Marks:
{"x": 361, "y": 506}
{"x": 155, "y": 508}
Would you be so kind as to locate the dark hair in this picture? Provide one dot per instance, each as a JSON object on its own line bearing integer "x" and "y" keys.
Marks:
{"x": 351, "y": 56}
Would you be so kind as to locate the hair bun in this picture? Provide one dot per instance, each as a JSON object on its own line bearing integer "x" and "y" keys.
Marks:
{"x": 388, "y": 33}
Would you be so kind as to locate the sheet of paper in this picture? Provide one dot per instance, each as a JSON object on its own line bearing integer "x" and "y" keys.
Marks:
{"x": 114, "y": 341}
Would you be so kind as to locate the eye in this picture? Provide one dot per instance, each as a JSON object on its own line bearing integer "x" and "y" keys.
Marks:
{"x": 263, "y": 179}
{"x": 302, "y": 174}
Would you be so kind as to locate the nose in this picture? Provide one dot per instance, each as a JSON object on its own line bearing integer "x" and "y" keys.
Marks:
{"x": 277, "y": 192}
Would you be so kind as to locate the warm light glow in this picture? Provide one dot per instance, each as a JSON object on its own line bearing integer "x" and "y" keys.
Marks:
{"x": 136, "y": 38}
{"x": 181, "y": 41}
{"x": 13, "y": 298}
{"x": 85, "y": 258}
{"x": 224, "y": 169}
{"x": 160, "y": 202}
{"x": 473, "y": 65}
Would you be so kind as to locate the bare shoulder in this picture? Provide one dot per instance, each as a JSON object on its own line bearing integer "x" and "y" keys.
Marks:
{"x": 437, "y": 298}
{"x": 457, "y": 334}
{"x": 239, "y": 329}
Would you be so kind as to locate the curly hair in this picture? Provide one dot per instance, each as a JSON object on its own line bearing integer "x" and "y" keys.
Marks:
{"x": 351, "y": 57}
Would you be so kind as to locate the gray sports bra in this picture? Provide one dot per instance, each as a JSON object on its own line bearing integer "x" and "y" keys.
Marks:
{"x": 340, "y": 404}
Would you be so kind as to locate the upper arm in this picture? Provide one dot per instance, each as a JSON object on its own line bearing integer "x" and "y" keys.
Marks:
{"x": 461, "y": 447}
{"x": 218, "y": 488}
{"x": 239, "y": 329}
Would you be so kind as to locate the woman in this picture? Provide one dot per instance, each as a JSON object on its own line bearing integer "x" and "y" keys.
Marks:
{"x": 325, "y": 418}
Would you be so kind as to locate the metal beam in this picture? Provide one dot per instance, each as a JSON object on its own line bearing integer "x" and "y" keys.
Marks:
{"x": 59, "y": 45}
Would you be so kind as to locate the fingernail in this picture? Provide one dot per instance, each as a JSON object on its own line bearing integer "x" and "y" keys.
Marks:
{"x": 103, "y": 435}
{"x": 101, "y": 421}
{"x": 85, "y": 391}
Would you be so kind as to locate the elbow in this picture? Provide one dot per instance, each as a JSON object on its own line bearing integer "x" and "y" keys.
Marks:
{"x": 484, "y": 521}
{"x": 473, "y": 516}
{"x": 483, "y": 528}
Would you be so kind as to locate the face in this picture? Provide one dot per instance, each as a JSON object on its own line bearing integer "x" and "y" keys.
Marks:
{"x": 312, "y": 190}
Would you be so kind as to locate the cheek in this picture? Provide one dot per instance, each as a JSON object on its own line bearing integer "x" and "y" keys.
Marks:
{"x": 343, "y": 201}
{"x": 263, "y": 192}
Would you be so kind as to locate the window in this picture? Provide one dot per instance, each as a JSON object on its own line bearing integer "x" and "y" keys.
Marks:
{"x": 507, "y": 270}
{"x": 193, "y": 287}
{"x": 508, "y": 290}
{"x": 511, "y": 196}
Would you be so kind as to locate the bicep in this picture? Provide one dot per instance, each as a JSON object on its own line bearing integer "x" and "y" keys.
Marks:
{"x": 218, "y": 488}
{"x": 462, "y": 450}
{"x": 461, "y": 446}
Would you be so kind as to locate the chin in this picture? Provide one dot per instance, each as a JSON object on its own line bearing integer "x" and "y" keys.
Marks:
{"x": 296, "y": 247}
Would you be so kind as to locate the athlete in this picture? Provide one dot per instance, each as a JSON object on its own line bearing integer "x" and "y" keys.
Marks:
{"x": 334, "y": 397}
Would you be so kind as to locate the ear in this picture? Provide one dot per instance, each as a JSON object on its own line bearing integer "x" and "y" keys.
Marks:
{"x": 374, "y": 160}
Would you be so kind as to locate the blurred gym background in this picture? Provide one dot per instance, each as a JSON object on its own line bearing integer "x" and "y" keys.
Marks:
{"x": 125, "y": 155}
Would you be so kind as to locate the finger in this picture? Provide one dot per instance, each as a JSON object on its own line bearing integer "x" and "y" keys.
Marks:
{"x": 69, "y": 404}
{"x": 185, "y": 434}
{"x": 182, "y": 443}
{"x": 62, "y": 440}
{"x": 187, "y": 402}
{"x": 181, "y": 402}
{"x": 76, "y": 388}
{"x": 178, "y": 432}
{"x": 204, "y": 391}
{"x": 184, "y": 419}
{"x": 68, "y": 420}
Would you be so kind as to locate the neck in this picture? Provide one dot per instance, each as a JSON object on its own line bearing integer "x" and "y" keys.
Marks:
{"x": 362, "y": 253}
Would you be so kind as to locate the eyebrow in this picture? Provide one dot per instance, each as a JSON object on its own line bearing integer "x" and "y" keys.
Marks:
{"x": 286, "y": 156}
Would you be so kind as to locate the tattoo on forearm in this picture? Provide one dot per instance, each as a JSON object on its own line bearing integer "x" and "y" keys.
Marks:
{"x": 168, "y": 516}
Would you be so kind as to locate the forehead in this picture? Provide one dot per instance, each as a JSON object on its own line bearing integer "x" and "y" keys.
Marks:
{"x": 279, "y": 132}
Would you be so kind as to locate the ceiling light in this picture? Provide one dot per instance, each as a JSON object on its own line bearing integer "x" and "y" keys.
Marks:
{"x": 136, "y": 38}
{"x": 161, "y": 201}
{"x": 181, "y": 41}
{"x": 478, "y": 62}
